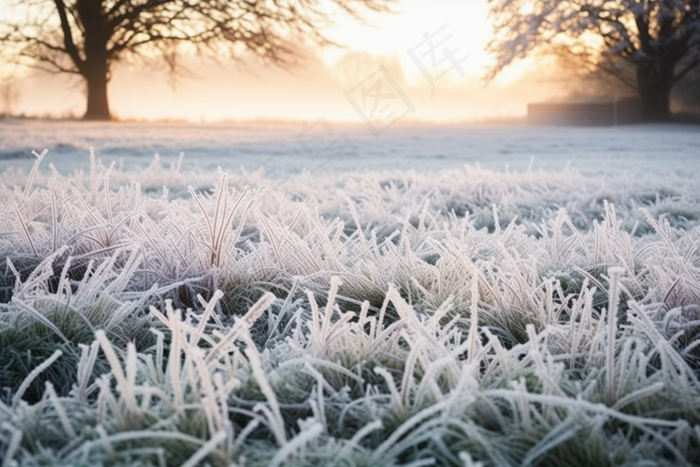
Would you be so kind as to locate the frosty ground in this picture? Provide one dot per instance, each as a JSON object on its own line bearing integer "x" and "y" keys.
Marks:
{"x": 370, "y": 313}
{"x": 276, "y": 147}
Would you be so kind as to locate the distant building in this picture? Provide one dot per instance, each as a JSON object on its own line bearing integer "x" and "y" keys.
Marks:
{"x": 601, "y": 112}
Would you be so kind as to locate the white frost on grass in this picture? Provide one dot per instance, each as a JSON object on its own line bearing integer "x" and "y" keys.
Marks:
{"x": 460, "y": 317}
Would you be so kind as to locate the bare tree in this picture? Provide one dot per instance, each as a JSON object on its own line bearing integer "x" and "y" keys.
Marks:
{"x": 647, "y": 45}
{"x": 87, "y": 38}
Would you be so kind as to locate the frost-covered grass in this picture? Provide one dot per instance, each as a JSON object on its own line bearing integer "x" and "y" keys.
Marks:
{"x": 462, "y": 317}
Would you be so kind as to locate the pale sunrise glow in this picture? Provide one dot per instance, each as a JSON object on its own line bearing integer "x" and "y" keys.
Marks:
{"x": 251, "y": 91}
{"x": 393, "y": 35}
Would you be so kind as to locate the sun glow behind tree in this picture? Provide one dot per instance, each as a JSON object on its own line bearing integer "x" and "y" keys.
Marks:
{"x": 324, "y": 74}
{"x": 87, "y": 38}
{"x": 647, "y": 46}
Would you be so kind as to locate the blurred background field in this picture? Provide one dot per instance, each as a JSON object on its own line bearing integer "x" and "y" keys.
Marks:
{"x": 275, "y": 147}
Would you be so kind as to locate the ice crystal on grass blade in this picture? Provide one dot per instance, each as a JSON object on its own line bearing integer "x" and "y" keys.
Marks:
{"x": 465, "y": 317}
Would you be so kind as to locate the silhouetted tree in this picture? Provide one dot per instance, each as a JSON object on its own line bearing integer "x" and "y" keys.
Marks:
{"x": 87, "y": 37}
{"x": 648, "y": 45}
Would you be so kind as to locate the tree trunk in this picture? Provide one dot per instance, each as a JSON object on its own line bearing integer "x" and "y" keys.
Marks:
{"x": 655, "y": 86}
{"x": 97, "y": 100}
{"x": 96, "y": 66}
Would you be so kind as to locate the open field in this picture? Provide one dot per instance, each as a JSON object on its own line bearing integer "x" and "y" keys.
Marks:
{"x": 274, "y": 148}
{"x": 176, "y": 315}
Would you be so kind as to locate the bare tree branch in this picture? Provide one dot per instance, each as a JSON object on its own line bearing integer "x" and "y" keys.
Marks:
{"x": 68, "y": 44}
{"x": 658, "y": 38}
{"x": 88, "y": 36}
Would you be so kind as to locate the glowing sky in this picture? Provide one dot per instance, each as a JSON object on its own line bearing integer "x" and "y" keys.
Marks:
{"x": 316, "y": 90}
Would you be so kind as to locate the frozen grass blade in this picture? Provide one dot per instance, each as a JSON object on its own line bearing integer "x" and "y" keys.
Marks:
{"x": 32, "y": 376}
{"x": 296, "y": 443}
{"x": 613, "y": 294}
{"x": 124, "y": 385}
{"x": 205, "y": 450}
{"x": 12, "y": 446}
{"x": 35, "y": 168}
